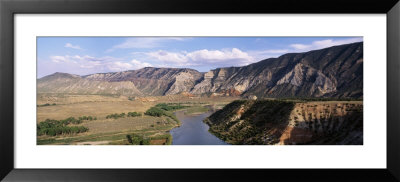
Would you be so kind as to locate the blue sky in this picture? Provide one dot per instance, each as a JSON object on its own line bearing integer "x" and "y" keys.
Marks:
{"x": 87, "y": 55}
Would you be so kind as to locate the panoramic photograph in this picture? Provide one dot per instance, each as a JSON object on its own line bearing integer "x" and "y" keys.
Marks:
{"x": 199, "y": 91}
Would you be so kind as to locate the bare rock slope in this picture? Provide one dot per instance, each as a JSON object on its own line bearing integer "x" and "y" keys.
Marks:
{"x": 142, "y": 82}
{"x": 331, "y": 72}
{"x": 283, "y": 123}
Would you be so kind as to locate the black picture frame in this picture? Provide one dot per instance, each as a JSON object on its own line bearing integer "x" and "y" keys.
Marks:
{"x": 9, "y": 8}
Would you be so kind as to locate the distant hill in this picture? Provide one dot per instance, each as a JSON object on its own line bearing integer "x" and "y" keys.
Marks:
{"x": 146, "y": 81}
{"x": 67, "y": 83}
{"x": 331, "y": 72}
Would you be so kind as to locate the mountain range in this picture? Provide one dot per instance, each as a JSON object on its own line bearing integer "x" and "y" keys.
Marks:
{"x": 331, "y": 72}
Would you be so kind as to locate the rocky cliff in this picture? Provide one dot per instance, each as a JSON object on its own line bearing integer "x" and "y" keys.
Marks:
{"x": 331, "y": 72}
{"x": 284, "y": 123}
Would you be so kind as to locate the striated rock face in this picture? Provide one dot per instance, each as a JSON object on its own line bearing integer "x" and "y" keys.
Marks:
{"x": 301, "y": 74}
{"x": 331, "y": 72}
{"x": 154, "y": 81}
{"x": 142, "y": 82}
{"x": 183, "y": 82}
{"x": 286, "y": 123}
{"x": 324, "y": 123}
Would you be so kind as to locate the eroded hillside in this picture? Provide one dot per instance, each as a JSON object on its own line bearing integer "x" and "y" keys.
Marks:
{"x": 74, "y": 84}
{"x": 335, "y": 72}
{"x": 285, "y": 122}
{"x": 143, "y": 82}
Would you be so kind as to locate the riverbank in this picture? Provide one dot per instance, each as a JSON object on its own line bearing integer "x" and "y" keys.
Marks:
{"x": 277, "y": 122}
{"x": 106, "y": 130}
{"x": 193, "y": 131}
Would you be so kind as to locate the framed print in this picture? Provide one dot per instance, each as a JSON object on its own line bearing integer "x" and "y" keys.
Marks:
{"x": 129, "y": 90}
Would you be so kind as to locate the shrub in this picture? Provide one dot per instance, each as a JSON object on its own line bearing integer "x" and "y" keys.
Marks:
{"x": 145, "y": 142}
{"x": 59, "y": 127}
{"x": 170, "y": 107}
{"x": 86, "y": 118}
{"x": 47, "y": 104}
{"x": 134, "y": 114}
{"x": 155, "y": 111}
{"x": 164, "y": 110}
{"x": 129, "y": 138}
{"x": 51, "y": 132}
{"x": 137, "y": 140}
{"x": 115, "y": 116}
{"x": 169, "y": 140}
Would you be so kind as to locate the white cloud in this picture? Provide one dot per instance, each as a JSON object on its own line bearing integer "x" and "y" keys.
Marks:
{"x": 148, "y": 42}
{"x": 204, "y": 57}
{"x": 69, "y": 45}
{"x": 197, "y": 59}
{"x": 59, "y": 59}
{"x": 323, "y": 44}
{"x": 123, "y": 66}
{"x": 215, "y": 56}
{"x": 300, "y": 46}
{"x": 119, "y": 66}
{"x": 104, "y": 64}
{"x": 78, "y": 59}
{"x": 169, "y": 57}
{"x": 137, "y": 64}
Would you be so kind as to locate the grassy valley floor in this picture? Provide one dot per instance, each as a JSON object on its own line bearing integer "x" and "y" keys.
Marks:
{"x": 106, "y": 127}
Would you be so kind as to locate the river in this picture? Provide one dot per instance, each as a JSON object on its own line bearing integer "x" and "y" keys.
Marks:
{"x": 193, "y": 131}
